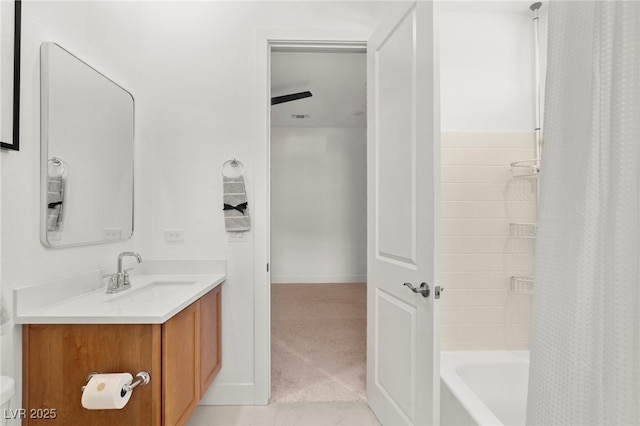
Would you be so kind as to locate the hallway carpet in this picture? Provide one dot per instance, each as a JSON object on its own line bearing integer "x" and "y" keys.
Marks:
{"x": 318, "y": 342}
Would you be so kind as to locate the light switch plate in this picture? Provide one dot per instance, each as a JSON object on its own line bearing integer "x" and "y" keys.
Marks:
{"x": 173, "y": 235}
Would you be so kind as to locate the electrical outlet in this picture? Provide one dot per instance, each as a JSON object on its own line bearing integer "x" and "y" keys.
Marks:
{"x": 236, "y": 237}
{"x": 54, "y": 235}
{"x": 173, "y": 235}
{"x": 111, "y": 233}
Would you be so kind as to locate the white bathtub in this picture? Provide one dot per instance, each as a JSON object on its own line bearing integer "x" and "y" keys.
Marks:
{"x": 483, "y": 388}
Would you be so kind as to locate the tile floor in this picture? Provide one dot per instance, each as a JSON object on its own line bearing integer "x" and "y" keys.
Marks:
{"x": 296, "y": 413}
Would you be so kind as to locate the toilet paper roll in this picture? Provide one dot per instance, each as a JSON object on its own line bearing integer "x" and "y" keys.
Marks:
{"x": 104, "y": 391}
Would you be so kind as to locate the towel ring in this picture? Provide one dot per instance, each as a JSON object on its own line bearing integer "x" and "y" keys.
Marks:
{"x": 235, "y": 165}
{"x": 57, "y": 162}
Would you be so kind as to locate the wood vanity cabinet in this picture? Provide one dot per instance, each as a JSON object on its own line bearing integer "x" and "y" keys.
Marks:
{"x": 190, "y": 357}
{"x": 182, "y": 356}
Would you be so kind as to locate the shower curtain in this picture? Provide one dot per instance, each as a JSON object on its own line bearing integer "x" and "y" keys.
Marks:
{"x": 585, "y": 348}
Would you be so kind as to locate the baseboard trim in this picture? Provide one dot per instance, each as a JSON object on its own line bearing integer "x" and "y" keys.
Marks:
{"x": 319, "y": 279}
{"x": 229, "y": 394}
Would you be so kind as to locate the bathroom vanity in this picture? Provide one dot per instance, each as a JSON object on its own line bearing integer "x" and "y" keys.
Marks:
{"x": 167, "y": 325}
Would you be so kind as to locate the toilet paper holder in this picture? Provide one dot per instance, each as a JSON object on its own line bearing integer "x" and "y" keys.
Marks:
{"x": 142, "y": 378}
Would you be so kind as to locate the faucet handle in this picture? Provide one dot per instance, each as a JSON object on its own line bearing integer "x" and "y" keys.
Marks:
{"x": 113, "y": 284}
{"x": 126, "y": 284}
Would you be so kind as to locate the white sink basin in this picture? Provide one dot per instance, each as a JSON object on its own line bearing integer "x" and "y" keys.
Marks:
{"x": 158, "y": 291}
{"x": 167, "y": 283}
{"x": 150, "y": 292}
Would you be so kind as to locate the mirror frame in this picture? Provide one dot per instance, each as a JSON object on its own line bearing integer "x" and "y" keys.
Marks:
{"x": 15, "y": 128}
{"x": 44, "y": 161}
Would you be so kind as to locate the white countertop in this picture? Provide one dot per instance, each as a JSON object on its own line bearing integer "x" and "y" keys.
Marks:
{"x": 157, "y": 293}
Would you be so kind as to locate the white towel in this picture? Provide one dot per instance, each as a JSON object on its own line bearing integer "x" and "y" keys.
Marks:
{"x": 235, "y": 205}
{"x": 55, "y": 200}
{"x": 6, "y": 324}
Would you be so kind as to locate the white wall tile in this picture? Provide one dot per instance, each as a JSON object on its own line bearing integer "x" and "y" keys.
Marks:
{"x": 485, "y": 333}
{"x": 486, "y": 315}
{"x": 488, "y": 244}
{"x": 474, "y": 174}
{"x": 469, "y": 227}
{"x": 485, "y": 346}
{"x": 479, "y": 201}
{"x": 483, "y": 156}
{"x": 488, "y": 209}
{"x": 476, "y": 280}
{"x": 486, "y": 262}
{"x": 490, "y": 140}
{"x": 486, "y": 192}
{"x": 484, "y": 298}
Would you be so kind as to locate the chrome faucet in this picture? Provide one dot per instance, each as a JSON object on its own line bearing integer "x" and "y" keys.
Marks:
{"x": 120, "y": 280}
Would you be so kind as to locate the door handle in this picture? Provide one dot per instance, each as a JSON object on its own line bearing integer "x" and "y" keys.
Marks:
{"x": 424, "y": 289}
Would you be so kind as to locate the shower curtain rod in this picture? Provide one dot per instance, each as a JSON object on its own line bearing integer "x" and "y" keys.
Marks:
{"x": 536, "y": 39}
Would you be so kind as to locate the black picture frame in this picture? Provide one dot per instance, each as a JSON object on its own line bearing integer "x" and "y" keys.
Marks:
{"x": 15, "y": 129}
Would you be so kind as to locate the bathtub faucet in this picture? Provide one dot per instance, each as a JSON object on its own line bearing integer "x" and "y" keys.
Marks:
{"x": 120, "y": 280}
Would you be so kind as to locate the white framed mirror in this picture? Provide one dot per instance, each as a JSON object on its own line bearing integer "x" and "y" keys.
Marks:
{"x": 87, "y": 153}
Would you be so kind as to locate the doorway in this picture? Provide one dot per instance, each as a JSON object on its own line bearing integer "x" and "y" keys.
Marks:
{"x": 318, "y": 224}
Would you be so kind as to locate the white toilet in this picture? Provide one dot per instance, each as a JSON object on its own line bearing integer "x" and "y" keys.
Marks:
{"x": 7, "y": 390}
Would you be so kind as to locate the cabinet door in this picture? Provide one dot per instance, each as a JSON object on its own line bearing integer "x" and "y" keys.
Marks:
{"x": 57, "y": 358}
{"x": 181, "y": 365}
{"x": 210, "y": 338}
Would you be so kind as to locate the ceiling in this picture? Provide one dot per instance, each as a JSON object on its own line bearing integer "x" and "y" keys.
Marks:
{"x": 337, "y": 81}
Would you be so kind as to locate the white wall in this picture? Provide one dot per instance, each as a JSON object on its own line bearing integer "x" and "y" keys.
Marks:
{"x": 487, "y": 98}
{"x": 318, "y": 205}
{"x": 192, "y": 69}
{"x": 486, "y": 54}
{"x": 88, "y": 31}
{"x": 200, "y": 115}
{"x": 6, "y": 78}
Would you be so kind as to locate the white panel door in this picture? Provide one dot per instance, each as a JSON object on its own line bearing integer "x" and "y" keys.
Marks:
{"x": 403, "y": 348}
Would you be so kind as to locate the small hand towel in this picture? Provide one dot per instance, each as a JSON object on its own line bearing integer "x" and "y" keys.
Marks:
{"x": 55, "y": 199}
{"x": 235, "y": 206}
{"x": 5, "y": 317}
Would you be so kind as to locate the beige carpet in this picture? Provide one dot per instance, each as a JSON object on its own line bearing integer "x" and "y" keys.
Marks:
{"x": 318, "y": 342}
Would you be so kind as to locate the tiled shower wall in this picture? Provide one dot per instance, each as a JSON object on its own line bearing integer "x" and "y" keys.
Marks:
{"x": 479, "y": 201}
